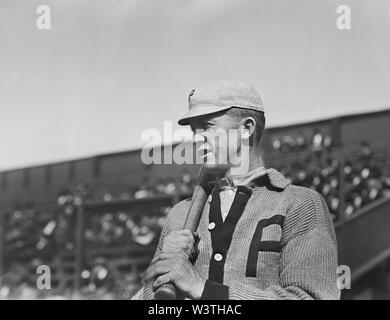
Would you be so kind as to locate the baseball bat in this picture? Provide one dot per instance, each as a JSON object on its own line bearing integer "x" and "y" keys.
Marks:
{"x": 198, "y": 200}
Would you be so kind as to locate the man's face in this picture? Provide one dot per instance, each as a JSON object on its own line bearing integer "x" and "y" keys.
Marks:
{"x": 218, "y": 138}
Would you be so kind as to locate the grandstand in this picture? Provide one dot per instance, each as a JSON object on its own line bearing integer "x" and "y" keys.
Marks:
{"x": 96, "y": 221}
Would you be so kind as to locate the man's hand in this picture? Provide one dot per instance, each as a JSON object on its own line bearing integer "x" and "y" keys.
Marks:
{"x": 176, "y": 269}
{"x": 174, "y": 265}
{"x": 181, "y": 242}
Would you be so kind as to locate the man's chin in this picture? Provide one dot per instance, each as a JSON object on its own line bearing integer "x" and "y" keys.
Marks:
{"x": 216, "y": 169}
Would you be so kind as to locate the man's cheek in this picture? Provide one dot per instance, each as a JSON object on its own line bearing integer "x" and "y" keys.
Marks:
{"x": 224, "y": 151}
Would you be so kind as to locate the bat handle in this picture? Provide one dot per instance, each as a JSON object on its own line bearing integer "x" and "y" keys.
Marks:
{"x": 166, "y": 292}
{"x": 199, "y": 198}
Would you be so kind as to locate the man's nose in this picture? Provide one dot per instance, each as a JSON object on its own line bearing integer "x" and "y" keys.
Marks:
{"x": 200, "y": 137}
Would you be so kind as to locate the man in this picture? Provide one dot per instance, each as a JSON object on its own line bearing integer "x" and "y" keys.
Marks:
{"x": 259, "y": 237}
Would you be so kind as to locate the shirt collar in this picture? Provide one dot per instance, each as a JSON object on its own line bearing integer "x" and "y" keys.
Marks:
{"x": 253, "y": 178}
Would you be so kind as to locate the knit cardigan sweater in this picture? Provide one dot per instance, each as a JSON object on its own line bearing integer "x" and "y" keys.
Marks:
{"x": 277, "y": 242}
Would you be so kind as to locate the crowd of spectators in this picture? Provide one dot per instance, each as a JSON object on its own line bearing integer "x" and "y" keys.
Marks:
{"x": 41, "y": 243}
{"x": 31, "y": 234}
{"x": 299, "y": 142}
{"x": 347, "y": 183}
{"x": 147, "y": 189}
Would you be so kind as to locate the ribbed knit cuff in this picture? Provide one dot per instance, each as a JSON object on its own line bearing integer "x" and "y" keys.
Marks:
{"x": 214, "y": 291}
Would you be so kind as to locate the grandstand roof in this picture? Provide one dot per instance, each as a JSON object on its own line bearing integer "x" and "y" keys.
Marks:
{"x": 341, "y": 117}
{"x": 270, "y": 129}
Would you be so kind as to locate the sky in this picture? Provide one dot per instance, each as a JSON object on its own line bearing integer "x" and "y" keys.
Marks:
{"x": 109, "y": 69}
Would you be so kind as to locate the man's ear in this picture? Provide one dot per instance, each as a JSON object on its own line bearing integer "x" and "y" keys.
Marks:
{"x": 248, "y": 125}
{"x": 245, "y": 134}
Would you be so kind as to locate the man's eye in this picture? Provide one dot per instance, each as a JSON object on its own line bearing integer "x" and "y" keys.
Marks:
{"x": 208, "y": 126}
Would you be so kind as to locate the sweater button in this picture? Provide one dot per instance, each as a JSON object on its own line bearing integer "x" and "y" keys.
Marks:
{"x": 218, "y": 257}
{"x": 211, "y": 226}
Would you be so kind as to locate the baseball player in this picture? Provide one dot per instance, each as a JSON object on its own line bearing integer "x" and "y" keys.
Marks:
{"x": 259, "y": 237}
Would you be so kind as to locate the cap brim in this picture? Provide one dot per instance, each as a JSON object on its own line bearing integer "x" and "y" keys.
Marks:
{"x": 200, "y": 111}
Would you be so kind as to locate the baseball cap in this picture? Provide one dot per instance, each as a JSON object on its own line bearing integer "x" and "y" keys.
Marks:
{"x": 221, "y": 95}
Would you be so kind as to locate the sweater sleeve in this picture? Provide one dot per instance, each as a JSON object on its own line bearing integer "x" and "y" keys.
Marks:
{"x": 308, "y": 262}
{"x": 172, "y": 222}
{"x": 146, "y": 293}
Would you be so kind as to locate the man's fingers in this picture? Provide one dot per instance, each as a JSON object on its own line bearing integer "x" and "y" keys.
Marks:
{"x": 163, "y": 263}
{"x": 175, "y": 250}
{"x": 163, "y": 279}
{"x": 156, "y": 269}
{"x": 164, "y": 256}
{"x": 182, "y": 233}
{"x": 183, "y": 247}
{"x": 195, "y": 235}
{"x": 177, "y": 240}
{"x": 185, "y": 232}
{"x": 189, "y": 234}
{"x": 167, "y": 256}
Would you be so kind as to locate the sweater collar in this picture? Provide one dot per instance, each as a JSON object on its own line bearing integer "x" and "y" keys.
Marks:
{"x": 277, "y": 179}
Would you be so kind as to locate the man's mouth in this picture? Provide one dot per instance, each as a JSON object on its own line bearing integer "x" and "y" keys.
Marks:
{"x": 204, "y": 150}
{"x": 206, "y": 155}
